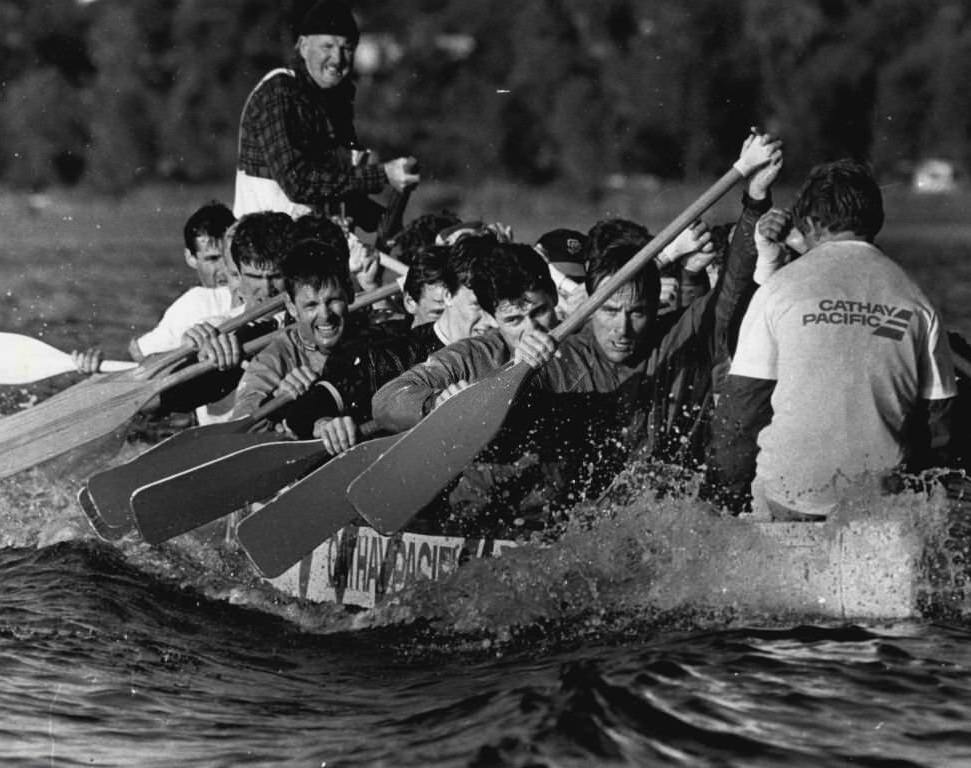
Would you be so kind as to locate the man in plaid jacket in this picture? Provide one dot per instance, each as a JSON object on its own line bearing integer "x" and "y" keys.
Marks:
{"x": 297, "y": 143}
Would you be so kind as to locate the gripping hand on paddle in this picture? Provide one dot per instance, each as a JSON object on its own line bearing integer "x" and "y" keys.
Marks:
{"x": 89, "y": 361}
{"x": 762, "y": 180}
{"x": 696, "y": 239}
{"x": 297, "y": 382}
{"x": 364, "y": 264}
{"x": 758, "y": 149}
{"x": 220, "y": 348}
{"x": 450, "y": 390}
{"x": 535, "y": 348}
{"x": 337, "y": 434}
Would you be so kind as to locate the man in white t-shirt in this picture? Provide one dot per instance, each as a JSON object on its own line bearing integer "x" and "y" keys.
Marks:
{"x": 211, "y": 300}
{"x": 842, "y": 369}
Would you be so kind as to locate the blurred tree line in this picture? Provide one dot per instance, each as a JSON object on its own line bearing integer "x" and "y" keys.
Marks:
{"x": 113, "y": 92}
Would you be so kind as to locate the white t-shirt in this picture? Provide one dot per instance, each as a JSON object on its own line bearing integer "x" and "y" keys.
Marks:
{"x": 196, "y": 305}
{"x": 852, "y": 344}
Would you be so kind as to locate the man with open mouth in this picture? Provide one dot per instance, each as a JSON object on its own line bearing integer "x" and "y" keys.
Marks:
{"x": 298, "y": 149}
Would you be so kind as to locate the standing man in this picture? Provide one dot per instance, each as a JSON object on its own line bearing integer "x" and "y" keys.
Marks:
{"x": 842, "y": 370}
{"x": 297, "y": 143}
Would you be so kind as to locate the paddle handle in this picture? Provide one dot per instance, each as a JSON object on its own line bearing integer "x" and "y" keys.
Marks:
{"x": 394, "y": 265}
{"x": 113, "y": 366}
{"x": 662, "y": 239}
{"x": 181, "y": 353}
{"x": 367, "y": 299}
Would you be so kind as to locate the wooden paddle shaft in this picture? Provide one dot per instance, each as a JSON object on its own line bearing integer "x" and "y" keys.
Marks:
{"x": 366, "y": 299}
{"x": 234, "y": 323}
{"x": 197, "y": 369}
{"x": 640, "y": 260}
{"x": 393, "y": 264}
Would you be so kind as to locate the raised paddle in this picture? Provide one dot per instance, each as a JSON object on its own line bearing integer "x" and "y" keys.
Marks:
{"x": 24, "y": 360}
{"x": 175, "y": 505}
{"x": 106, "y": 496}
{"x": 412, "y": 472}
{"x": 285, "y": 530}
{"x": 61, "y": 424}
{"x": 296, "y": 522}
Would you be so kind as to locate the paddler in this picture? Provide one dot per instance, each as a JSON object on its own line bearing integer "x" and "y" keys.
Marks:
{"x": 619, "y": 379}
{"x": 318, "y": 292}
{"x": 212, "y": 300}
{"x": 368, "y": 366}
{"x": 297, "y": 142}
{"x": 842, "y": 369}
{"x": 252, "y": 261}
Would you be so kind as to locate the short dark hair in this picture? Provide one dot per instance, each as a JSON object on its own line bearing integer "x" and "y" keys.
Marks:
{"x": 211, "y": 220}
{"x": 507, "y": 272}
{"x": 611, "y": 243}
{"x": 841, "y": 196}
{"x": 607, "y": 233}
{"x": 427, "y": 268}
{"x": 315, "y": 264}
{"x": 315, "y": 226}
{"x": 460, "y": 264}
{"x": 420, "y": 233}
{"x": 262, "y": 238}
{"x": 646, "y": 282}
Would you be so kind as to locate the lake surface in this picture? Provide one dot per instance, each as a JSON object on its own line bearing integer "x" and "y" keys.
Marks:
{"x": 592, "y": 652}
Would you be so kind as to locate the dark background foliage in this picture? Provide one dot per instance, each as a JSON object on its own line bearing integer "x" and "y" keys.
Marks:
{"x": 571, "y": 92}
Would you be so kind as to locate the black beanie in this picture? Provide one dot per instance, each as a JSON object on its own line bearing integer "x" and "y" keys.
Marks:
{"x": 328, "y": 17}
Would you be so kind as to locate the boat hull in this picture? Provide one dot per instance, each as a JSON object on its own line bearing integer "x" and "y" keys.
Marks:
{"x": 862, "y": 569}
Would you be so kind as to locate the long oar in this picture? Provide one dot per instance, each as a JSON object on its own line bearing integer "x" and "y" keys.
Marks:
{"x": 296, "y": 522}
{"x": 105, "y": 497}
{"x": 406, "y": 472}
{"x": 180, "y": 503}
{"x": 24, "y": 360}
{"x": 428, "y": 457}
{"x": 59, "y": 425}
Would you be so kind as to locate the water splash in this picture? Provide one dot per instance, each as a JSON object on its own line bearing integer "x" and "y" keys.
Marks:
{"x": 658, "y": 555}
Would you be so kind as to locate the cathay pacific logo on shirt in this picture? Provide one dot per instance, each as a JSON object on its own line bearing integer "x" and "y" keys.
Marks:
{"x": 888, "y": 321}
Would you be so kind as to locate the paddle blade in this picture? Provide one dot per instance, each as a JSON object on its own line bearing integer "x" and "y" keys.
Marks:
{"x": 181, "y": 503}
{"x": 429, "y": 456}
{"x": 61, "y": 424}
{"x": 91, "y": 513}
{"x": 24, "y": 360}
{"x": 304, "y": 516}
{"x": 110, "y": 490}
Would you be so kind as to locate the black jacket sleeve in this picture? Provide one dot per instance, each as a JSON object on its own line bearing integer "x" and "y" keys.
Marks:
{"x": 743, "y": 410}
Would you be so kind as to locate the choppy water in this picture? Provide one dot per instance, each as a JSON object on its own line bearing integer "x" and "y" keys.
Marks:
{"x": 587, "y": 653}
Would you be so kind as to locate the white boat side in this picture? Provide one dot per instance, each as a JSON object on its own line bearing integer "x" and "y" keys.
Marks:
{"x": 864, "y": 569}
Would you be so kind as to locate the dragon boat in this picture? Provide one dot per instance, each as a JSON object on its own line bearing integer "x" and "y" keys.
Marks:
{"x": 861, "y": 569}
